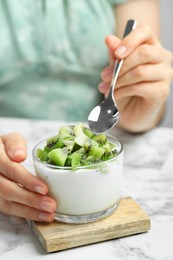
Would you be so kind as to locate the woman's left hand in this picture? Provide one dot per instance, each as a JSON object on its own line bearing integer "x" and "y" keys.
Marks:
{"x": 144, "y": 80}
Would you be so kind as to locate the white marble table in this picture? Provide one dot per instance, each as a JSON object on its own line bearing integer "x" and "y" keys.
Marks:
{"x": 148, "y": 178}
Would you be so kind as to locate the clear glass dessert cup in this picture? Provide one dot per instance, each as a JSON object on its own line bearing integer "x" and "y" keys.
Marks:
{"x": 89, "y": 193}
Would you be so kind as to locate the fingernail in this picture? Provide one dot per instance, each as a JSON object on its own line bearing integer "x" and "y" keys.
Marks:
{"x": 47, "y": 206}
{"x": 39, "y": 189}
{"x": 101, "y": 86}
{"x": 44, "y": 216}
{"x": 120, "y": 51}
{"x": 16, "y": 153}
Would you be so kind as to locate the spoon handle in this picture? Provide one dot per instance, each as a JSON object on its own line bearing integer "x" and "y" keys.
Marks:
{"x": 131, "y": 25}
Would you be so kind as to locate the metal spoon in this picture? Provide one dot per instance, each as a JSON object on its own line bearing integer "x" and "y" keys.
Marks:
{"x": 106, "y": 115}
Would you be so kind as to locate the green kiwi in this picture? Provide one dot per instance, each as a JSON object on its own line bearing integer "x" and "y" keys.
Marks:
{"x": 100, "y": 138}
{"x": 58, "y": 156}
{"x": 53, "y": 143}
{"x": 78, "y": 130}
{"x": 76, "y": 160}
{"x": 96, "y": 152}
{"x": 42, "y": 155}
{"x": 66, "y": 131}
{"x": 88, "y": 132}
{"x": 81, "y": 139}
{"x": 76, "y": 145}
{"x": 52, "y": 139}
{"x": 68, "y": 142}
{"x": 108, "y": 155}
{"x": 90, "y": 143}
{"x": 107, "y": 147}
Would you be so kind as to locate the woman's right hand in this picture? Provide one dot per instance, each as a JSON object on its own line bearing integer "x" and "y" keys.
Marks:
{"x": 21, "y": 193}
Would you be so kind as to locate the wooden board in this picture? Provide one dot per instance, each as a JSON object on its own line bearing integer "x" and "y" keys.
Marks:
{"x": 128, "y": 219}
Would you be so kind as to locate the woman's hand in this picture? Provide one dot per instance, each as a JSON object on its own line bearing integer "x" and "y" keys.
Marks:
{"x": 144, "y": 80}
{"x": 21, "y": 193}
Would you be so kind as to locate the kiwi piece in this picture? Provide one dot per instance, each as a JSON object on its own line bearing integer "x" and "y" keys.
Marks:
{"x": 53, "y": 143}
{"x": 81, "y": 139}
{"x": 76, "y": 147}
{"x": 78, "y": 130}
{"x": 66, "y": 131}
{"x": 88, "y": 132}
{"x": 89, "y": 143}
{"x": 68, "y": 142}
{"x": 41, "y": 154}
{"x": 107, "y": 147}
{"x": 100, "y": 138}
{"x": 108, "y": 155}
{"x": 58, "y": 156}
{"x": 76, "y": 160}
{"x": 96, "y": 151}
{"x": 52, "y": 139}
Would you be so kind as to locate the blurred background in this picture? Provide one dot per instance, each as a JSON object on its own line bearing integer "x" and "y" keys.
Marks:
{"x": 167, "y": 40}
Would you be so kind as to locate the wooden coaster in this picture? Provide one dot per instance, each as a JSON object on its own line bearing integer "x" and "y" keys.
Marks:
{"x": 128, "y": 219}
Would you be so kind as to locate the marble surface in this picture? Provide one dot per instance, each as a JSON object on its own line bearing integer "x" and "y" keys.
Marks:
{"x": 148, "y": 178}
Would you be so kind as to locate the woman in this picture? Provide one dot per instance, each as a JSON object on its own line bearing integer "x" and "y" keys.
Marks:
{"x": 59, "y": 61}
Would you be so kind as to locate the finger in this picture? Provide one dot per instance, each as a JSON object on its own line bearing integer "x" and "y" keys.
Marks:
{"x": 107, "y": 73}
{"x": 145, "y": 54}
{"x": 11, "y": 191}
{"x": 142, "y": 34}
{"x": 104, "y": 87}
{"x": 19, "y": 210}
{"x": 112, "y": 43}
{"x": 17, "y": 173}
{"x": 15, "y": 146}
{"x": 148, "y": 72}
{"x": 152, "y": 92}
{"x": 145, "y": 73}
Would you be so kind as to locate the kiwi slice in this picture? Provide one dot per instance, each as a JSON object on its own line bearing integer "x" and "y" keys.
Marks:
{"x": 76, "y": 160}
{"x": 78, "y": 129}
{"x": 52, "y": 139}
{"x": 76, "y": 145}
{"x": 58, "y": 156}
{"x": 90, "y": 143}
{"x": 68, "y": 142}
{"x": 107, "y": 147}
{"x": 53, "y": 143}
{"x": 96, "y": 151}
{"x": 81, "y": 139}
{"x": 66, "y": 132}
{"x": 108, "y": 155}
{"x": 88, "y": 132}
{"x": 41, "y": 154}
{"x": 100, "y": 138}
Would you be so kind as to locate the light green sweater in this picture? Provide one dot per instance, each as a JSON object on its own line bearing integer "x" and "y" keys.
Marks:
{"x": 51, "y": 55}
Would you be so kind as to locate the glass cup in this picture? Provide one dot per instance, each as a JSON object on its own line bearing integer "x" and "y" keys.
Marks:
{"x": 87, "y": 194}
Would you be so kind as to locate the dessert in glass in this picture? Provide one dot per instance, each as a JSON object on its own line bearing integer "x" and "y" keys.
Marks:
{"x": 83, "y": 171}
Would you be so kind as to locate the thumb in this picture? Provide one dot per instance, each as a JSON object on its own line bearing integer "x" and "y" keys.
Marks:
{"x": 15, "y": 146}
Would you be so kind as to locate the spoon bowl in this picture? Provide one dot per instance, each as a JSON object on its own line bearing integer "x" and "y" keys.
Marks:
{"x": 106, "y": 115}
